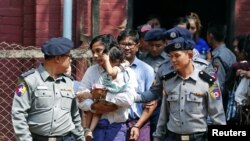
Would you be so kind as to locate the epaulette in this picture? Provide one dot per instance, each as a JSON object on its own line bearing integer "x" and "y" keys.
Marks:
{"x": 206, "y": 77}
{"x": 27, "y": 73}
{"x": 168, "y": 76}
{"x": 201, "y": 61}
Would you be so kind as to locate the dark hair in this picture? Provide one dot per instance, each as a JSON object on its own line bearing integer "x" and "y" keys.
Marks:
{"x": 46, "y": 57}
{"x": 242, "y": 41}
{"x": 128, "y": 33}
{"x": 107, "y": 40}
{"x": 246, "y": 48}
{"x": 116, "y": 53}
{"x": 218, "y": 30}
{"x": 181, "y": 20}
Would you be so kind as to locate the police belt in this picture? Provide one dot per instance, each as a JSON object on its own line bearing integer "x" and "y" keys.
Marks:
{"x": 187, "y": 137}
{"x": 64, "y": 137}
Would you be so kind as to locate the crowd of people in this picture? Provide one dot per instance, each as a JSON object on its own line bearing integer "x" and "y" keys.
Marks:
{"x": 146, "y": 84}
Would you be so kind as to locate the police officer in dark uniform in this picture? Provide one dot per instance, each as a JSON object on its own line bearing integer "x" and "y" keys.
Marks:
{"x": 44, "y": 106}
{"x": 190, "y": 95}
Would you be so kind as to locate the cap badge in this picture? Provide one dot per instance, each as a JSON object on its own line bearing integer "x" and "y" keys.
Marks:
{"x": 173, "y": 35}
{"x": 177, "y": 45}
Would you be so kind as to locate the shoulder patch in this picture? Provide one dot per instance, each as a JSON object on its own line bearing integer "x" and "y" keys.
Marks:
{"x": 168, "y": 76}
{"x": 29, "y": 72}
{"x": 21, "y": 89}
{"x": 206, "y": 77}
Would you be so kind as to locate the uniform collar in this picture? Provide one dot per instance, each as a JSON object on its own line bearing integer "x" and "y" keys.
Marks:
{"x": 45, "y": 75}
{"x": 216, "y": 51}
{"x": 193, "y": 76}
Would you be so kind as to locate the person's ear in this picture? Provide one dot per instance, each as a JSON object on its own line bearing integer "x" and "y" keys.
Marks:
{"x": 190, "y": 54}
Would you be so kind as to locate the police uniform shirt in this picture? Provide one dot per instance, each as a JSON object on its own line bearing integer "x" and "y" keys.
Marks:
{"x": 155, "y": 62}
{"x": 167, "y": 79}
{"x": 45, "y": 106}
{"x": 190, "y": 101}
{"x": 222, "y": 60}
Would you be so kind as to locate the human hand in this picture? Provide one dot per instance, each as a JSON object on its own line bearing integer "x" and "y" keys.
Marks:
{"x": 134, "y": 133}
{"x": 243, "y": 73}
{"x": 150, "y": 104}
{"x": 82, "y": 95}
{"x": 102, "y": 106}
{"x": 98, "y": 91}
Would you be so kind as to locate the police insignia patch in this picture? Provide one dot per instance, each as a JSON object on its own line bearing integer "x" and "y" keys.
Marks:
{"x": 215, "y": 92}
{"x": 21, "y": 89}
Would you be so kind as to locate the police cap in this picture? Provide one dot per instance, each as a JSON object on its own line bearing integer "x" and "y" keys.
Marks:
{"x": 154, "y": 34}
{"x": 179, "y": 44}
{"x": 57, "y": 46}
{"x": 178, "y": 32}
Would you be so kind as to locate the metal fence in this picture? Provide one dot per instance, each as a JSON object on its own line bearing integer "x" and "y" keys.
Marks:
{"x": 16, "y": 59}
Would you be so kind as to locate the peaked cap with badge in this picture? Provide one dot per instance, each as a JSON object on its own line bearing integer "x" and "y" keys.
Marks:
{"x": 179, "y": 44}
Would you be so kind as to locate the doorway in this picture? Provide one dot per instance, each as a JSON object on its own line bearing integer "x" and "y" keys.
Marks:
{"x": 169, "y": 10}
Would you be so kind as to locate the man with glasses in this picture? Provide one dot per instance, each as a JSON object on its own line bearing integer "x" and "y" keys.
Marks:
{"x": 138, "y": 113}
{"x": 44, "y": 106}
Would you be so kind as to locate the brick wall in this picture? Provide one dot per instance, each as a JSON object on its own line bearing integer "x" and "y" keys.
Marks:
{"x": 49, "y": 14}
{"x": 112, "y": 14}
{"x": 242, "y": 20}
{"x": 11, "y": 21}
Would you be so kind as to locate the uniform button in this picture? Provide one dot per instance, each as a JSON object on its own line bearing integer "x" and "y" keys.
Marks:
{"x": 194, "y": 98}
{"x": 181, "y": 97}
{"x": 54, "y": 120}
{"x": 43, "y": 93}
{"x": 55, "y": 106}
{"x": 181, "y": 110}
{"x": 56, "y": 93}
{"x": 182, "y": 123}
{"x": 67, "y": 94}
{"x": 184, "y": 83}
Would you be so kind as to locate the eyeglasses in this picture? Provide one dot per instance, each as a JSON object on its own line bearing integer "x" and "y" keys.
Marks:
{"x": 129, "y": 45}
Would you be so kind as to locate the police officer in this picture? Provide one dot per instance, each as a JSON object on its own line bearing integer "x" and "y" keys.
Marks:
{"x": 155, "y": 57}
{"x": 190, "y": 94}
{"x": 44, "y": 106}
{"x": 222, "y": 57}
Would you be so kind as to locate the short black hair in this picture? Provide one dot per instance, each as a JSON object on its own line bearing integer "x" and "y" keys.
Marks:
{"x": 218, "y": 30}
